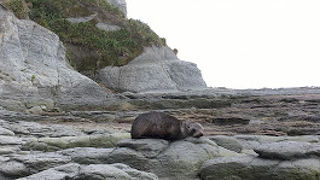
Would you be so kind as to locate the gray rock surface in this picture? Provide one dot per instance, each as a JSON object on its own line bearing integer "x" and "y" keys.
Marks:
{"x": 288, "y": 150}
{"x": 227, "y": 142}
{"x": 87, "y": 155}
{"x": 157, "y": 69}
{"x": 33, "y": 71}
{"x": 107, "y": 27}
{"x": 176, "y": 160}
{"x": 278, "y": 157}
{"x": 38, "y": 130}
{"x": 81, "y": 19}
{"x": 19, "y": 165}
{"x": 252, "y": 168}
{"x": 4, "y": 131}
{"x": 9, "y": 149}
{"x": 256, "y": 141}
{"x": 55, "y": 144}
{"x": 96, "y": 171}
{"x": 121, "y": 4}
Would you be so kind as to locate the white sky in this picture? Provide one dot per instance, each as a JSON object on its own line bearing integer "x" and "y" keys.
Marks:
{"x": 241, "y": 43}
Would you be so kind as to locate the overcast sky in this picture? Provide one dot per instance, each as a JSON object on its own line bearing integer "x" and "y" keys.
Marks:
{"x": 241, "y": 43}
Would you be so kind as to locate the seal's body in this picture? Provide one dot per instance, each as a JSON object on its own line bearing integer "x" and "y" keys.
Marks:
{"x": 162, "y": 126}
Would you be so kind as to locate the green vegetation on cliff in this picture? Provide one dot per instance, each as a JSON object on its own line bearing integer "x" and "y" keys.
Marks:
{"x": 88, "y": 47}
{"x": 19, "y": 7}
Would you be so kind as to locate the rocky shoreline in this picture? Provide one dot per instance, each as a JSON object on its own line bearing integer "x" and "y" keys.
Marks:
{"x": 58, "y": 124}
{"x": 259, "y": 143}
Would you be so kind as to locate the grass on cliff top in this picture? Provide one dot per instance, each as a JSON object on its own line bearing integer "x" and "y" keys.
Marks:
{"x": 19, "y": 7}
{"x": 89, "y": 48}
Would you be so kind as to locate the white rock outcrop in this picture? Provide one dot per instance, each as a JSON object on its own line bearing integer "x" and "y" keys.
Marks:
{"x": 121, "y": 4}
{"x": 156, "y": 70}
{"x": 34, "y": 71}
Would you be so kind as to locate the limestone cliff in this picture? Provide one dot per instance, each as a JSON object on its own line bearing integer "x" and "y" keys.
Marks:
{"x": 96, "y": 33}
{"x": 156, "y": 69}
{"x": 33, "y": 69}
{"x": 38, "y": 73}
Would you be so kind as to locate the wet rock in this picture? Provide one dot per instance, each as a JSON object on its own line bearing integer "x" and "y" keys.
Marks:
{"x": 151, "y": 104}
{"x": 230, "y": 121}
{"x": 315, "y": 119}
{"x": 289, "y": 100}
{"x": 292, "y": 131}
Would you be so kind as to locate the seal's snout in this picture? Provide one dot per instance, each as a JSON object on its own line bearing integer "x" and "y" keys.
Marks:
{"x": 198, "y": 135}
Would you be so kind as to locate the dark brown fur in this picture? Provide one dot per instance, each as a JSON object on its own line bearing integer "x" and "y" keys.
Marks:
{"x": 162, "y": 126}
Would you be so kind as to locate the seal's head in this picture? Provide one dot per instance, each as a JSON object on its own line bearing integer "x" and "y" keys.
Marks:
{"x": 194, "y": 129}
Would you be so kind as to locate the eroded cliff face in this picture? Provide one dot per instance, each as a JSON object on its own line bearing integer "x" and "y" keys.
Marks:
{"x": 157, "y": 69}
{"x": 33, "y": 69}
{"x": 123, "y": 54}
{"x": 35, "y": 74}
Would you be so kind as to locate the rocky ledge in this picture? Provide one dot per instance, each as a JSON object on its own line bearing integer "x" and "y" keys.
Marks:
{"x": 31, "y": 151}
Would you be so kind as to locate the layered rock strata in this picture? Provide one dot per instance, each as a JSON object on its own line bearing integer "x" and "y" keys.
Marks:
{"x": 34, "y": 74}
{"x": 157, "y": 69}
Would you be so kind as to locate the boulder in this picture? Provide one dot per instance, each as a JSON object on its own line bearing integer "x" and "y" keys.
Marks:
{"x": 34, "y": 71}
{"x": 20, "y": 165}
{"x": 96, "y": 171}
{"x": 156, "y": 69}
{"x": 227, "y": 142}
{"x": 288, "y": 150}
{"x": 175, "y": 160}
{"x": 252, "y": 168}
{"x": 255, "y": 141}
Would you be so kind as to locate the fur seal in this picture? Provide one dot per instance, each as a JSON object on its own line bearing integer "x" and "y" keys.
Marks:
{"x": 159, "y": 125}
